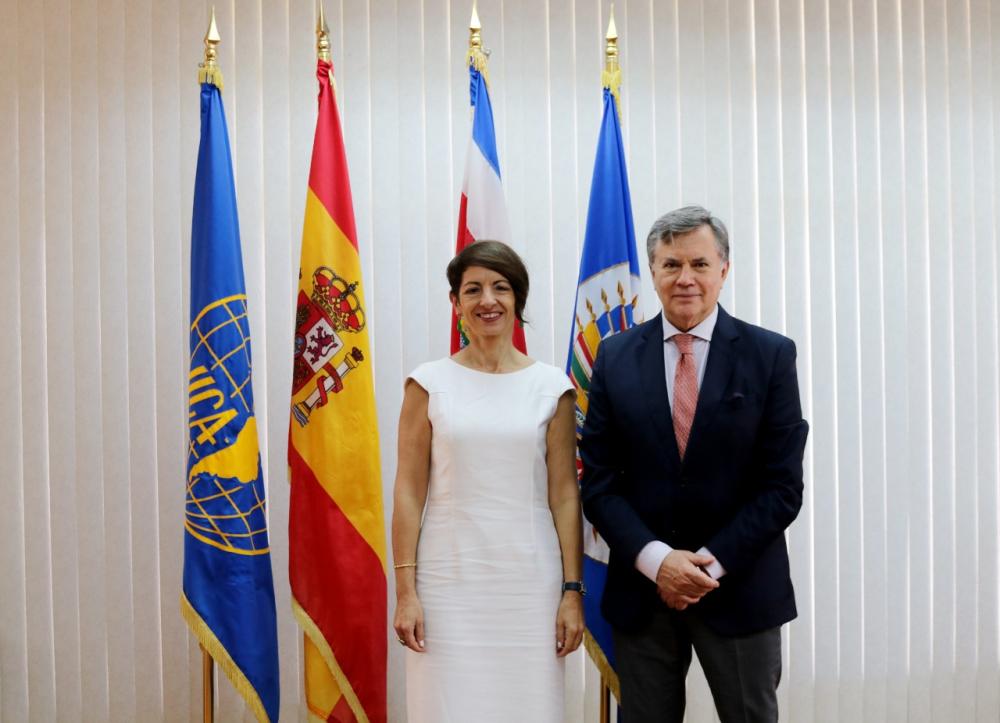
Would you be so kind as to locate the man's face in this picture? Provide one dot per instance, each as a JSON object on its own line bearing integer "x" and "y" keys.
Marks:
{"x": 688, "y": 275}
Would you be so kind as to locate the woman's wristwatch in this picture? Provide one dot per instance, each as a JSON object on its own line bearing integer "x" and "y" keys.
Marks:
{"x": 574, "y": 586}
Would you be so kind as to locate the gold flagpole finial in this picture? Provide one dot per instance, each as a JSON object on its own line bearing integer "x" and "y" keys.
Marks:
{"x": 322, "y": 36}
{"x": 611, "y": 78}
{"x": 208, "y": 70}
{"x": 611, "y": 49}
{"x": 475, "y": 40}
{"x": 476, "y": 57}
{"x": 323, "y": 44}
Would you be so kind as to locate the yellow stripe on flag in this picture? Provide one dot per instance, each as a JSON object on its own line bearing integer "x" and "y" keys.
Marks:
{"x": 333, "y": 444}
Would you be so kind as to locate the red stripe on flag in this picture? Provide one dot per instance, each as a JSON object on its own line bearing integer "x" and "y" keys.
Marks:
{"x": 328, "y": 177}
{"x": 342, "y": 713}
{"x": 338, "y": 580}
{"x": 464, "y": 239}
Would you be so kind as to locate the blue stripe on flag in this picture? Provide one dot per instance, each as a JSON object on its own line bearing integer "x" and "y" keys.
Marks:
{"x": 482, "y": 121}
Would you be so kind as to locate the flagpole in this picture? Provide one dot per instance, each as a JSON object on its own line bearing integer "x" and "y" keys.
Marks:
{"x": 208, "y": 72}
{"x": 207, "y": 686}
{"x": 611, "y": 78}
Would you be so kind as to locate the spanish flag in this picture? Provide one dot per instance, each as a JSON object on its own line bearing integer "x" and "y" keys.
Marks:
{"x": 336, "y": 523}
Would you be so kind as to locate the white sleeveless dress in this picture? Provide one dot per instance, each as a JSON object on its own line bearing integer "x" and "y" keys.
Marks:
{"x": 489, "y": 569}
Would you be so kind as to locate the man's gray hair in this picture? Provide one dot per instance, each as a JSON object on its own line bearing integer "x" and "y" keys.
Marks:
{"x": 685, "y": 220}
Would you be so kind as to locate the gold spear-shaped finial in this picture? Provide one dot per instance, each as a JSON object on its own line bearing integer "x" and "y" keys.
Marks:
{"x": 323, "y": 43}
{"x": 208, "y": 70}
{"x": 322, "y": 36}
{"x": 477, "y": 55}
{"x": 611, "y": 78}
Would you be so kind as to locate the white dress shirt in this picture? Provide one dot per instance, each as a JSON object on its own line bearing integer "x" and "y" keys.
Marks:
{"x": 652, "y": 555}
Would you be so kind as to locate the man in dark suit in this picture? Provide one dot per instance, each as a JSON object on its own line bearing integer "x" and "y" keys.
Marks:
{"x": 692, "y": 470}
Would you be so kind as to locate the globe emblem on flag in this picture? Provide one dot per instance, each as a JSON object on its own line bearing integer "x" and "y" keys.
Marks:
{"x": 225, "y": 505}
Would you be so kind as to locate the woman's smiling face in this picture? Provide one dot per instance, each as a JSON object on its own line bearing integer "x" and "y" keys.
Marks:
{"x": 485, "y": 302}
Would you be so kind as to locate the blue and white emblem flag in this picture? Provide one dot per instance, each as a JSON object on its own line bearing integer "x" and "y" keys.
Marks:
{"x": 606, "y": 303}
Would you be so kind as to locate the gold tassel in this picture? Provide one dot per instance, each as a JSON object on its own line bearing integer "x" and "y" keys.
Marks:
{"x": 477, "y": 59}
{"x": 210, "y": 75}
{"x": 612, "y": 80}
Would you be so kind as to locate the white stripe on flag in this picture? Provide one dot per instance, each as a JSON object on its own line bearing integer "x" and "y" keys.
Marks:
{"x": 486, "y": 213}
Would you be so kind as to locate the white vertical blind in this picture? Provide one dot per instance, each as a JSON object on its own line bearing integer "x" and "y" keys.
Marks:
{"x": 850, "y": 146}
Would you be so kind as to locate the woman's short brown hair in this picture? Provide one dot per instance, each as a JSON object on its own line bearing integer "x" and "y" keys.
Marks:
{"x": 495, "y": 256}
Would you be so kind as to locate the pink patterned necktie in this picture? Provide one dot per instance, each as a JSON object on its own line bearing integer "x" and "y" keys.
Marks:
{"x": 685, "y": 390}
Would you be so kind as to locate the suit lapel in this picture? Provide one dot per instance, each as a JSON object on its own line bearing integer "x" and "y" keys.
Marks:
{"x": 719, "y": 369}
{"x": 653, "y": 378}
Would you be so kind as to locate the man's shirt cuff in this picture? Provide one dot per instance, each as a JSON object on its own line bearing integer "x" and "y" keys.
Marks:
{"x": 715, "y": 570}
{"x": 650, "y": 558}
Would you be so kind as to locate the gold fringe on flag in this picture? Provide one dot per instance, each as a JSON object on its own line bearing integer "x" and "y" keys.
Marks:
{"x": 221, "y": 656}
{"x": 608, "y": 673}
{"x": 316, "y": 636}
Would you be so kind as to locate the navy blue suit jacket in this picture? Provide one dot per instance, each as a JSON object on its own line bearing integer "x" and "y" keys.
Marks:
{"x": 738, "y": 488}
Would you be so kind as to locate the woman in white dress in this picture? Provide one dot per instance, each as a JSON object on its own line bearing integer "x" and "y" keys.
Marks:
{"x": 486, "y": 530}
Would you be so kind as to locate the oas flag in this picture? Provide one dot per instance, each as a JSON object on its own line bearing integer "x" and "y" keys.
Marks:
{"x": 606, "y": 298}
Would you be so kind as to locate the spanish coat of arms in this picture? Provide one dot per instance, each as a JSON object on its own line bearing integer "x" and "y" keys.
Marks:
{"x": 322, "y": 358}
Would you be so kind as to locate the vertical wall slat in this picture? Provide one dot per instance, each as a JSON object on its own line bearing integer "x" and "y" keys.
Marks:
{"x": 193, "y": 18}
{"x": 942, "y": 239}
{"x": 14, "y": 666}
{"x": 60, "y": 351}
{"x": 822, "y": 484}
{"x": 985, "y": 28}
{"x": 141, "y": 345}
{"x": 86, "y": 263}
{"x": 965, "y": 344}
{"x": 871, "y": 334}
{"x": 798, "y": 678}
{"x": 115, "y": 359}
{"x": 895, "y": 238}
{"x": 920, "y": 537}
{"x": 34, "y": 366}
{"x": 847, "y": 356}
{"x": 274, "y": 343}
{"x": 175, "y": 91}
{"x": 742, "y": 291}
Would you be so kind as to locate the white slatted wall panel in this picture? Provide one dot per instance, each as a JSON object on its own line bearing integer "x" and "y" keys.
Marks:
{"x": 850, "y": 146}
